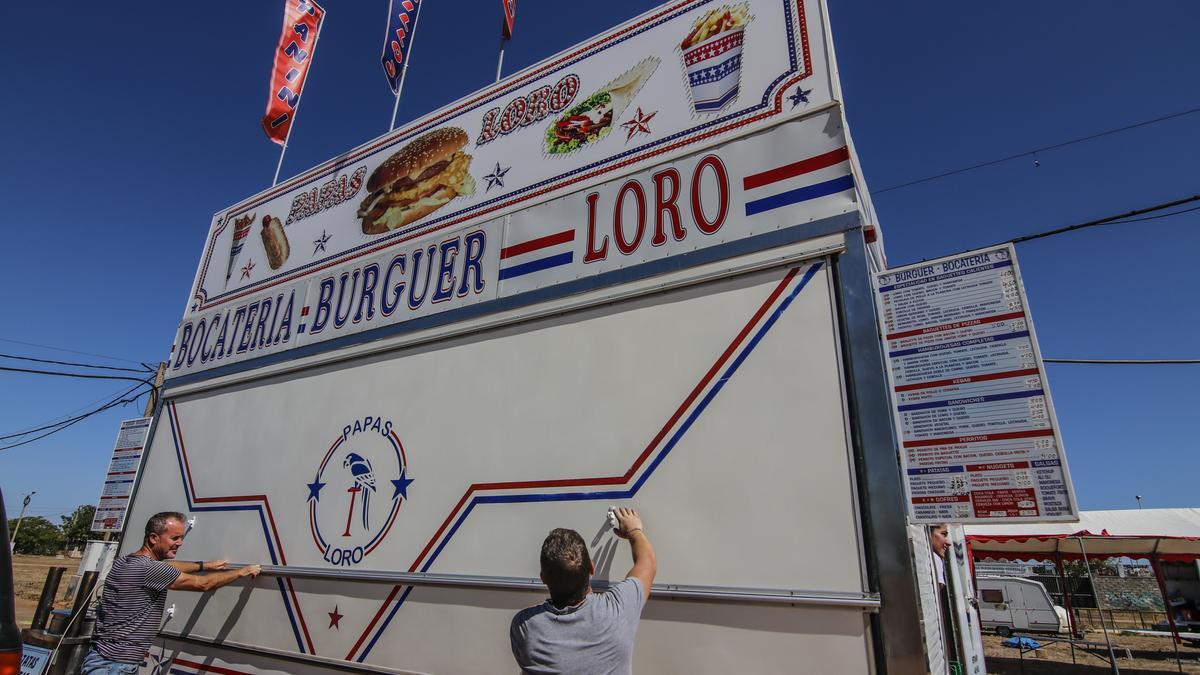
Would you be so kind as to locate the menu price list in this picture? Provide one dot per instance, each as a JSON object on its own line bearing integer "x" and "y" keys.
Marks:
{"x": 121, "y": 475}
{"x": 976, "y": 431}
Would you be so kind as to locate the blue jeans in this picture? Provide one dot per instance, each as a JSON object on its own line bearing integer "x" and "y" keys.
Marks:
{"x": 95, "y": 664}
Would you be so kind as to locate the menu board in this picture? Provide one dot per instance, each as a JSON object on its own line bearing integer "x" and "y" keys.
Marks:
{"x": 122, "y": 472}
{"x": 979, "y": 439}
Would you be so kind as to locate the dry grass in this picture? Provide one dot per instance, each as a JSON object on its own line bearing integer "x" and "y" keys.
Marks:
{"x": 1148, "y": 654}
{"x": 29, "y": 573}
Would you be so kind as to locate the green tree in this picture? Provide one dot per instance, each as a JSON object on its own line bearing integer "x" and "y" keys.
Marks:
{"x": 76, "y": 527}
{"x": 37, "y": 536}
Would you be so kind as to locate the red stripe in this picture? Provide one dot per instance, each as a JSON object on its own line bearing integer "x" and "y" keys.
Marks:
{"x": 296, "y": 602}
{"x": 539, "y": 243}
{"x": 300, "y": 179}
{"x": 979, "y": 438}
{"x": 609, "y": 480}
{"x": 205, "y": 668}
{"x": 956, "y": 324}
{"x": 796, "y": 169}
{"x": 967, "y": 380}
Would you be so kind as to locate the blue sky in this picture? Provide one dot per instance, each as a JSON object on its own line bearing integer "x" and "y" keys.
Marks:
{"x": 123, "y": 133}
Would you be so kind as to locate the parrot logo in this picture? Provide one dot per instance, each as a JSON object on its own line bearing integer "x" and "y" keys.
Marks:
{"x": 367, "y": 460}
{"x": 362, "y": 487}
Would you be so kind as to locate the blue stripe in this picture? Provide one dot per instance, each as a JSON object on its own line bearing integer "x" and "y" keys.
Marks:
{"x": 333, "y": 167}
{"x": 731, "y": 249}
{"x": 702, "y": 106}
{"x": 536, "y": 265}
{"x": 967, "y": 400}
{"x": 798, "y": 195}
{"x": 367, "y": 650}
{"x": 262, "y": 517}
{"x": 958, "y": 344}
{"x": 611, "y": 494}
{"x": 942, "y": 277}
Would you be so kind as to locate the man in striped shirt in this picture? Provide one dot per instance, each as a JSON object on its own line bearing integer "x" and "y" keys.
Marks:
{"x": 135, "y": 593}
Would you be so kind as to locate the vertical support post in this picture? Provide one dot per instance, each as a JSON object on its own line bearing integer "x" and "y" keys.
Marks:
{"x": 1112, "y": 657}
{"x": 1066, "y": 593}
{"x": 500, "y": 63}
{"x": 897, "y": 627}
{"x": 46, "y": 602}
{"x": 404, "y": 69}
{"x": 1162, "y": 589}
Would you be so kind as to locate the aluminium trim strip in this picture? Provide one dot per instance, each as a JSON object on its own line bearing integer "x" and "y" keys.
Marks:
{"x": 864, "y": 601}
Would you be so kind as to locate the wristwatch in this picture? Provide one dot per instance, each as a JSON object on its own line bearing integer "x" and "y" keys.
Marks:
{"x": 201, "y": 564}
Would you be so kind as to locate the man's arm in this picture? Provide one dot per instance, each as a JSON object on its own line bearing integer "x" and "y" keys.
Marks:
{"x": 645, "y": 565}
{"x": 197, "y": 567}
{"x": 209, "y": 582}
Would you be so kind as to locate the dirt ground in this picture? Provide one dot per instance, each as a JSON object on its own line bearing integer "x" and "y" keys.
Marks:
{"x": 29, "y": 573}
{"x": 1149, "y": 654}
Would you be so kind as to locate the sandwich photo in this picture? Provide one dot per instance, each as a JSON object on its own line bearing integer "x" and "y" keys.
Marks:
{"x": 592, "y": 120}
{"x": 417, "y": 180}
{"x": 275, "y": 242}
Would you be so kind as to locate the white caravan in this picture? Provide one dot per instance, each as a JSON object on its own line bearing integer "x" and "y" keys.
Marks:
{"x": 677, "y": 315}
{"x": 1010, "y": 605}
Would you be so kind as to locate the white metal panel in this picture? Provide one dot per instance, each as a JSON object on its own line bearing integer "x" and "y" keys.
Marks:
{"x": 716, "y": 409}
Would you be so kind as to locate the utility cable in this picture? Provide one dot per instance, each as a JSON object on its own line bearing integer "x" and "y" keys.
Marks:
{"x": 82, "y": 375}
{"x": 74, "y": 363}
{"x": 1034, "y": 151}
{"x": 121, "y": 400}
{"x": 71, "y": 351}
{"x": 1110, "y": 220}
{"x": 66, "y": 415}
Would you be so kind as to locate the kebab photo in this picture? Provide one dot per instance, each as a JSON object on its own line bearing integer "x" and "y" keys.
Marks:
{"x": 417, "y": 180}
{"x": 592, "y": 120}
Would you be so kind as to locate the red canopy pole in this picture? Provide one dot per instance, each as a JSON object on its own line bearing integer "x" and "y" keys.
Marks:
{"x": 1066, "y": 591}
{"x": 1162, "y": 588}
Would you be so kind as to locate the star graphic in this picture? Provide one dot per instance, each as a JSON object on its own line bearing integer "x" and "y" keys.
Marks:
{"x": 640, "y": 124}
{"x": 401, "y": 485}
{"x": 157, "y": 662}
{"x": 801, "y": 96}
{"x": 248, "y": 269}
{"x": 496, "y": 178}
{"x": 319, "y": 242}
{"x": 334, "y": 618}
{"x": 314, "y": 489}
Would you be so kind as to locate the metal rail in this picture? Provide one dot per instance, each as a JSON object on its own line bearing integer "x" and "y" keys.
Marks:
{"x": 864, "y": 601}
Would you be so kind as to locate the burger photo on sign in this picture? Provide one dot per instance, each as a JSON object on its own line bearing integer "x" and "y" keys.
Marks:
{"x": 417, "y": 180}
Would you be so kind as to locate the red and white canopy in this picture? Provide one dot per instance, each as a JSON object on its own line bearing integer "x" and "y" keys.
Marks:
{"x": 1174, "y": 534}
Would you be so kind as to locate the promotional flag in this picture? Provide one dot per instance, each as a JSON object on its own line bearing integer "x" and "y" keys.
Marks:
{"x": 510, "y": 15}
{"x": 402, "y": 23}
{"x": 301, "y": 25}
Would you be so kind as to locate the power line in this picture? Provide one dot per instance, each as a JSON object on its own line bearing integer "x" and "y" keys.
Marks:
{"x": 1126, "y": 362}
{"x": 70, "y": 351}
{"x": 81, "y": 375}
{"x": 1113, "y": 220}
{"x": 122, "y": 400}
{"x": 1027, "y": 153}
{"x": 74, "y": 363}
{"x": 60, "y": 418}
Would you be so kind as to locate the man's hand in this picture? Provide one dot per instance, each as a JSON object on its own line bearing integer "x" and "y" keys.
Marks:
{"x": 215, "y": 565}
{"x": 250, "y": 571}
{"x": 645, "y": 564}
{"x": 628, "y": 521}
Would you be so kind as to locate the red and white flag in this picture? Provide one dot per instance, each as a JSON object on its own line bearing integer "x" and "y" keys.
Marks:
{"x": 510, "y": 15}
{"x": 297, "y": 43}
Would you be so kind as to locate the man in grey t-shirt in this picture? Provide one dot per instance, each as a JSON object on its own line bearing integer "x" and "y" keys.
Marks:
{"x": 577, "y": 631}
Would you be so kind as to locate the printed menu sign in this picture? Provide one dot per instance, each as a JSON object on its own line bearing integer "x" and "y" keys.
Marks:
{"x": 122, "y": 472}
{"x": 979, "y": 440}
